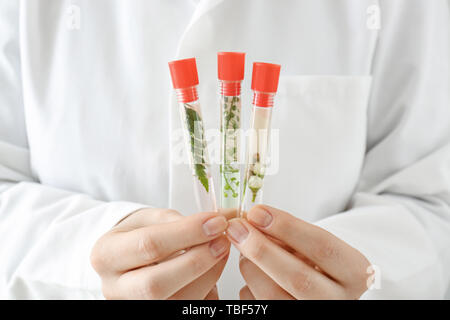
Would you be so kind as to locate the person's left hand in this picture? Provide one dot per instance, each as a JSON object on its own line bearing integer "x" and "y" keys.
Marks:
{"x": 284, "y": 257}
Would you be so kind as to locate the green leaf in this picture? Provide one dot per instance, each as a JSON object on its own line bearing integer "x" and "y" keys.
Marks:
{"x": 198, "y": 143}
{"x": 200, "y": 172}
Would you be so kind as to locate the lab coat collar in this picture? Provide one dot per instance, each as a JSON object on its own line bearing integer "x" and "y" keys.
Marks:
{"x": 203, "y": 7}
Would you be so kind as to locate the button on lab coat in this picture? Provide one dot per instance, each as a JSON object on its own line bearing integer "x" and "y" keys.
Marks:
{"x": 87, "y": 123}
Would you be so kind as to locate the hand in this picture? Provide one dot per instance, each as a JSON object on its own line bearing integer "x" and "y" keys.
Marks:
{"x": 159, "y": 254}
{"x": 286, "y": 258}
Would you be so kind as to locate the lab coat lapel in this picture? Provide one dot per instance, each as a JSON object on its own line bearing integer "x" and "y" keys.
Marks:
{"x": 203, "y": 8}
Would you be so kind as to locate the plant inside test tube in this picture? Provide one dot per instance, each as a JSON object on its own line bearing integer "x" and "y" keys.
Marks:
{"x": 257, "y": 153}
{"x": 185, "y": 82}
{"x": 255, "y": 177}
{"x": 197, "y": 139}
{"x": 230, "y": 126}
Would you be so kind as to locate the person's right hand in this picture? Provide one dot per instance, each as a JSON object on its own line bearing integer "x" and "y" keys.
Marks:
{"x": 160, "y": 254}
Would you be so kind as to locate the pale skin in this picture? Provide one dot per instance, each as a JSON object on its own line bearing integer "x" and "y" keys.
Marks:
{"x": 160, "y": 254}
{"x": 283, "y": 257}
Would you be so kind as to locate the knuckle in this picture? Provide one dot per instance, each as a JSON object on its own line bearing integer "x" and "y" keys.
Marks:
{"x": 326, "y": 249}
{"x": 244, "y": 265}
{"x": 169, "y": 215}
{"x": 151, "y": 290}
{"x": 96, "y": 262}
{"x": 257, "y": 250}
{"x": 195, "y": 263}
{"x": 361, "y": 281}
{"x": 363, "y": 278}
{"x": 258, "y": 207}
{"x": 287, "y": 226}
{"x": 359, "y": 278}
{"x": 98, "y": 256}
{"x": 149, "y": 249}
{"x": 301, "y": 283}
{"x": 108, "y": 293}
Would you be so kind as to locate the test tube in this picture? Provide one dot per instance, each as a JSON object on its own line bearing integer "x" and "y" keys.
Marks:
{"x": 185, "y": 81}
{"x": 230, "y": 67}
{"x": 264, "y": 85}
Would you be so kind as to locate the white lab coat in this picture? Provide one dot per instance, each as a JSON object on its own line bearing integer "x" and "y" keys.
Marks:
{"x": 87, "y": 117}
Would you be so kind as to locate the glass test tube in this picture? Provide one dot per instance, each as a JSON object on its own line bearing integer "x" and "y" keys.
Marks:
{"x": 264, "y": 85}
{"x": 185, "y": 81}
{"x": 230, "y": 73}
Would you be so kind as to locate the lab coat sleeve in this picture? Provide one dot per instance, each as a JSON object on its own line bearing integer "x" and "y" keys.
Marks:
{"x": 46, "y": 234}
{"x": 399, "y": 217}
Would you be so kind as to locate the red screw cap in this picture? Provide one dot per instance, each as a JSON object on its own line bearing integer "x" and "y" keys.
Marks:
{"x": 231, "y": 66}
{"x": 183, "y": 73}
{"x": 265, "y": 77}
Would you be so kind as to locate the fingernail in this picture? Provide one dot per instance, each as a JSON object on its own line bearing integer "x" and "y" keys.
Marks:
{"x": 218, "y": 246}
{"x": 237, "y": 231}
{"x": 260, "y": 217}
{"x": 215, "y": 225}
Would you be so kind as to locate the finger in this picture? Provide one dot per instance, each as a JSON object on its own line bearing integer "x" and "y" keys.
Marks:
{"x": 129, "y": 250}
{"x": 246, "y": 294}
{"x": 162, "y": 280}
{"x": 228, "y": 213}
{"x": 260, "y": 284}
{"x": 213, "y": 294}
{"x": 202, "y": 286}
{"x": 145, "y": 217}
{"x": 291, "y": 250}
{"x": 289, "y": 272}
{"x": 332, "y": 255}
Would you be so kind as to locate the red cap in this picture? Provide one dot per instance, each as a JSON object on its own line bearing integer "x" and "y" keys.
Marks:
{"x": 230, "y": 66}
{"x": 265, "y": 77}
{"x": 184, "y": 73}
